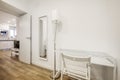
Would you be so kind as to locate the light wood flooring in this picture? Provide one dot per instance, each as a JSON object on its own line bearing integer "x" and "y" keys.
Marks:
{"x": 13, "y": 69}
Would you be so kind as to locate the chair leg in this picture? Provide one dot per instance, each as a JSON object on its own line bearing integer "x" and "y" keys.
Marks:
{"x": 11, "y": 53}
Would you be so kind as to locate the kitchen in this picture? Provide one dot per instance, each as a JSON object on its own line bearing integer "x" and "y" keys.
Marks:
{"x": 7, "y": 30}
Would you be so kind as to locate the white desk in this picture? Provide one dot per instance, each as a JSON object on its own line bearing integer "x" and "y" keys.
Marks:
{"x": 97, "y": 60}
{"x": 101, "y": 61}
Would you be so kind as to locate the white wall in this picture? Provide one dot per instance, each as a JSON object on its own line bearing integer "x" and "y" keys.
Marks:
{"x": 113, "y": 7}
{"x": 86, "y": 25}
{"x": 91, "y": 25}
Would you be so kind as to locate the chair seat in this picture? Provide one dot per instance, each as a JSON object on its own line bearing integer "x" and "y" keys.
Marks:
{"x": 76, "y": 74}
{"x": 15, "y": 49}
{"x": 15, "y": 53}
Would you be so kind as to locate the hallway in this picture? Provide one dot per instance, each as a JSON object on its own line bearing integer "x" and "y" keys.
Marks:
{"x": 12, "y": 69}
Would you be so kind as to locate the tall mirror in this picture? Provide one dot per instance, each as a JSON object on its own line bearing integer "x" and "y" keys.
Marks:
{"x": 43, "y": 21}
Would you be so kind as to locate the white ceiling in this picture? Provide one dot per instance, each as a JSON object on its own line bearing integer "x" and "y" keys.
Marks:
{"x": 10, "y": 9}
{"x": 6, "y": 18}
{"x": 9, "y": 13}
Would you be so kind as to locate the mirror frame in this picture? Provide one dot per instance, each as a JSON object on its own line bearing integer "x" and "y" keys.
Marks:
{"x": 43, "y": 19}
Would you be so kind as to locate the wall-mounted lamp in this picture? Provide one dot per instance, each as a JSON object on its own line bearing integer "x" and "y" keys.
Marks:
{"x": 55, "y": 15}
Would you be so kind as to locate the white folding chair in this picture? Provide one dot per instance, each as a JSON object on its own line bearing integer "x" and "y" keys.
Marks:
{"x": 75, "y": 67}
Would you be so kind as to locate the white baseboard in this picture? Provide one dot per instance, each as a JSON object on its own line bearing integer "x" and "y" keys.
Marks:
{"x": 46, "y": 67}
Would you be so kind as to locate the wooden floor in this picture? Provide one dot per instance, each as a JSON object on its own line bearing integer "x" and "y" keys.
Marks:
{"x": 12, "y": 69}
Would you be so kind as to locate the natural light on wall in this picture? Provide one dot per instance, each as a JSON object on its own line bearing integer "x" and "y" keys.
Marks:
{"x": 9, "y": 29}
{"x": 4, "y": 26}
{"x": 12, "y": 31}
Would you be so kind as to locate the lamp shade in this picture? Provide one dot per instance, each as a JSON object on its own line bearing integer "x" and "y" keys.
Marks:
{"x": 55, "y": 15}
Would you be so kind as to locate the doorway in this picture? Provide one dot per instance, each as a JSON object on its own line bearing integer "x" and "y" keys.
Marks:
{"x": 24, "y": 31}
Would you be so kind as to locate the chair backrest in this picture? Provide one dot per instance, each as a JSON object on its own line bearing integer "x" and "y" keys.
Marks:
{"x": 76, "y": 65}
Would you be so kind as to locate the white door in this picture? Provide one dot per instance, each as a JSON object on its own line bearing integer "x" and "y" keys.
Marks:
{"x": 24, "y": 35}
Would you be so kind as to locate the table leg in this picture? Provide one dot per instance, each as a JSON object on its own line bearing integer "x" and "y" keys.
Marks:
{"x": 114, "y": 73}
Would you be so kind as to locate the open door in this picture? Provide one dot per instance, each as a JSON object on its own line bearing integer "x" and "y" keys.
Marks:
{"x": 24, "y": 35}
